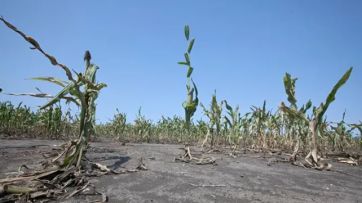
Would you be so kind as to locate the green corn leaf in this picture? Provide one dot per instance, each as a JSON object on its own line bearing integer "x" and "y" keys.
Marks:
{"x": 289, "y": 85}
{"x": 52, "y": 80}
{"x": 189, "y": 71}
{"x": 307, "y": 106}
{"x": 264, "y": 107}
{"x": 187, "y": 32}
{"x": 228, "y": 107}
{"x": 187, "y": 58}
{"x": 228, "y": 121}
{"x": 191, "y": 44}
{"x": 332, "y": 95}
{"x": 60, "y": 95}
{"x": 39, "y": 95}
{"x": 183, "y": 63}
{"x": 100, "y": 86}
{"x": 196, "y": 92}
{"x": 90, "y": 73}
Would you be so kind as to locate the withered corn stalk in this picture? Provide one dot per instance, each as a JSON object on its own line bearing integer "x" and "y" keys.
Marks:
{"x": 317, "y": 119}
{"x": 82, "y": 90}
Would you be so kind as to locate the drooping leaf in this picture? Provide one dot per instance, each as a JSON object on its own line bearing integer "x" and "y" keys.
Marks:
{"x": 57, "y": 97}
{"x": 52, "y": 80}
{"x": 228, "y": 121}
{"x": 39, "y": 95}
{"x": 228, "y": 107}
{"x": 291, "y": 112}
{"x": 36, "y": 45}
{"x": 196, "y": 92}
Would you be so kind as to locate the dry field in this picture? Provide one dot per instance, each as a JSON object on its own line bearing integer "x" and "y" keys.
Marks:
{"x": 245, "y": 177}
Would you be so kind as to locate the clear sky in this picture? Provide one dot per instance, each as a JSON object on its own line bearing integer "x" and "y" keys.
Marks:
{"x": 242, "y": 49}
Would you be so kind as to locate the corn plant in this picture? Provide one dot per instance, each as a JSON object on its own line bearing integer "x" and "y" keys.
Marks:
{"x": 317, "y": 119}
{"x": 233, "y": 122}
{"x": 340, "y": 135}
{"x": 359, "y": 128}
{"x": 82, "y": 90}
{"x": 142, "y": 127}
{"x": 295, "y": 126}
{"x": 118, "y": 124}
{"x": 258, "y": 123}
{"x": 274, "y": 125}
{"x": 192, "y": 99}
{"x": 214, "y": 115}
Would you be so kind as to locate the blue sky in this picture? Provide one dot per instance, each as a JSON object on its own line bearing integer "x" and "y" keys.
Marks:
{"x": 242, "y": 49}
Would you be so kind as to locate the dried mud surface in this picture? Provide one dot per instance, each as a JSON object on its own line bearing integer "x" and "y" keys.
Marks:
{"x": 248, "y": 177}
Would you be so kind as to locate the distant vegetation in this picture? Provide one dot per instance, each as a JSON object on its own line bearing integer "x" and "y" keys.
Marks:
{"x": 259, "y": 128}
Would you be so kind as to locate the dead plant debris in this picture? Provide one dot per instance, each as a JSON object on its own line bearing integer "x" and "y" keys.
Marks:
{"x": 53, "y": 182}
{"x": 187, "y": 157}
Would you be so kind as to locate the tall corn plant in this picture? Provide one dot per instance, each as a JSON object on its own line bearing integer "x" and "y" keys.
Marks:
{"x": 192, "y": 99}
{"x": 317, "y": 119}
{"x": 82, "y": 90}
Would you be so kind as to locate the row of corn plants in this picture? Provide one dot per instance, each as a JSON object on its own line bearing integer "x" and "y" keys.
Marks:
{"x": 250, "y": 129}
{"x": 51, "y": 123}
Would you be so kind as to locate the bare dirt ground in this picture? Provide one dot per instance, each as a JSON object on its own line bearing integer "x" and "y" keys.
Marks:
{"x": 248, "y": 177}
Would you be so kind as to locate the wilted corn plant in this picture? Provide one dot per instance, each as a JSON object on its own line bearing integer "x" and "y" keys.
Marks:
{"x": 233, "y": 123}
{"x": 359, "y": 128}
{"x": 259, "y": 119}
{"x": 214, "y": 115}
{"x": 340, "y": 135}
{"x": 296, "y": 128}
{"x": 192, "y": 99}
{"x": 275, "y": 125}
{"x": 118, "y": 125}
{"x": 142, "y": 127}
{"x": 317, "y": 119}
{"x": 83, "y": 91}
